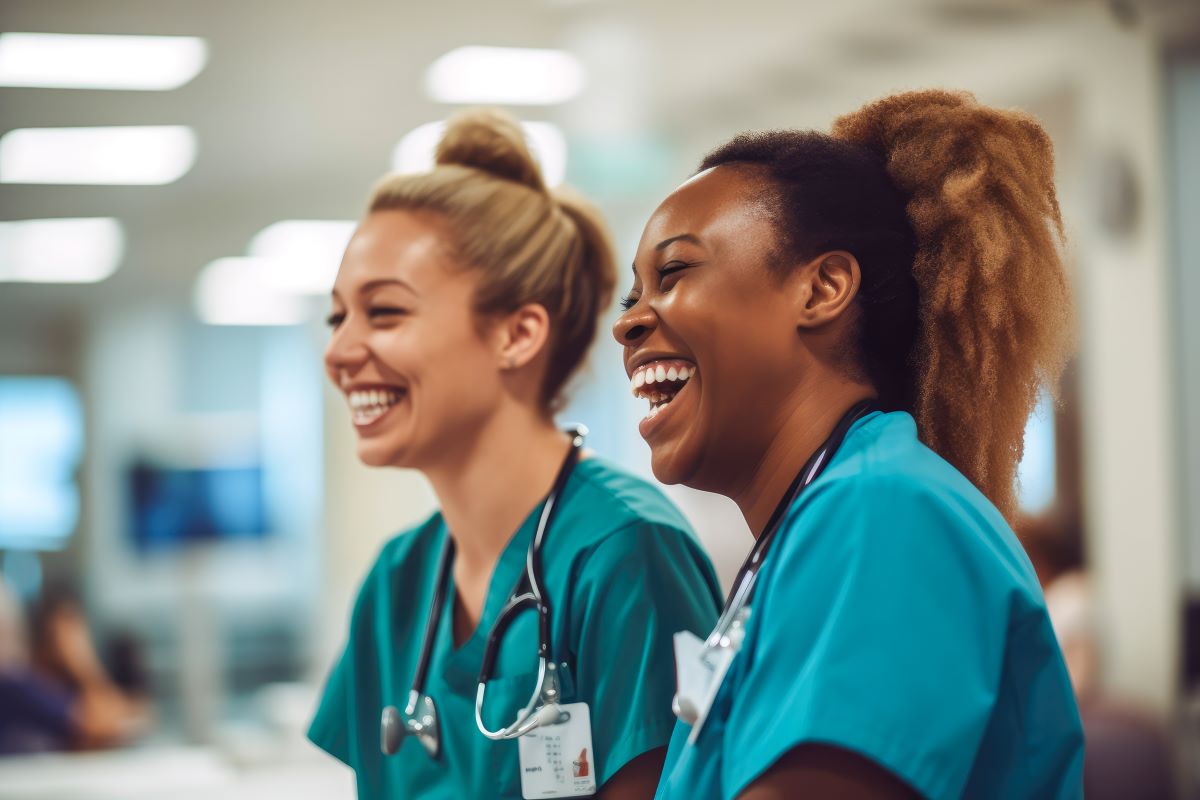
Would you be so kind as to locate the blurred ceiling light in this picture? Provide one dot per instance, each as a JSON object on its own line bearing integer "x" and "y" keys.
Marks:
{"x": 509, "y": 75}
{"x": 66, "y": 250}
{"x": 304, "y": 254}
{"x": 546, "y": 140}
{"x": 141, "y": 155}
{"x": 239, "y": 291}
{"x": 74, "y": 61}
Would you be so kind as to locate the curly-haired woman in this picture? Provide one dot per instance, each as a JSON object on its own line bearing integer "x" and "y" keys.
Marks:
{"x": 845, "y": 334}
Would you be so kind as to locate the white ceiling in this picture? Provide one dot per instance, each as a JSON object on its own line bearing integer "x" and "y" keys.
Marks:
{"x": 301, "y": 103}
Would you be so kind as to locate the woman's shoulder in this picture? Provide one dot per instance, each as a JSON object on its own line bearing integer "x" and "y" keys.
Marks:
{"x": 883, "y": 462}
{"x": 612, "y": 515}
{"x": 890, "y": 494}
{"x": 409, "y": 550}
{"x": 609, "y": 498}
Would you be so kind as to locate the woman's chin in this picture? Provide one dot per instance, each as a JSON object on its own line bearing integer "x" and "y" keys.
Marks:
{"x": 671, "y": 464}
{"x": 379, "y": 454}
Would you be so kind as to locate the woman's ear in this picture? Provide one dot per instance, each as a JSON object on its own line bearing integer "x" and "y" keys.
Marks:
{"x": 522, "y": 335}
{"x": 825, "y": 287}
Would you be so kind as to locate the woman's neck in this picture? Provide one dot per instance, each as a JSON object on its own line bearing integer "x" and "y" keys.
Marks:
{"x": 809, "y": 422}
{"x": 490, "y": 487}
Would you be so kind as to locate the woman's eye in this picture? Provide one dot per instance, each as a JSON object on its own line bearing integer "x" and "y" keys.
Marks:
{"x": 335, "y": 319}
{"x": 386, "y": 311}
{"x": 669, "y": 269}
{"x": 628, "y": 301}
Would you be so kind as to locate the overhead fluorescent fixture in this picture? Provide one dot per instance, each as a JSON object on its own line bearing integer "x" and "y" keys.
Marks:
{"x": 77, "y": 61}
{"x": 240, "y": 291}
{"x": 508, "y": 75}
{"x": 303, "y": 255}
{"x": 67, "y": 250}
{"x": 415, "y": 151}
{"x": 116, "y": 155}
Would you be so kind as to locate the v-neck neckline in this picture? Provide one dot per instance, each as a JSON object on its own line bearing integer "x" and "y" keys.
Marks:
{"x": 505, "y": 575}
{"x": 461, "y": 664}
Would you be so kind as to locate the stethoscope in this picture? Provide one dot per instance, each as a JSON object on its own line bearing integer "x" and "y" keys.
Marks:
{"x": 420, "y": 716}
{"x": 730, "y": 629}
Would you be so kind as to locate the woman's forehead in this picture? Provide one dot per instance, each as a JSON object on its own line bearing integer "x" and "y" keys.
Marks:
{"x": 717, "y": 202}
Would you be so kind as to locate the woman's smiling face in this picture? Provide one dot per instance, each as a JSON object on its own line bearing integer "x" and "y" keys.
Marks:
{"x": 706, "y": 306}
{"x": 406, "y": 349}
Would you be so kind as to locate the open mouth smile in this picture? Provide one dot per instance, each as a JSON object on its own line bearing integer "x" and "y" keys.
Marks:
{"x": 369, "y": 405}
{"x": 659, "y": 382}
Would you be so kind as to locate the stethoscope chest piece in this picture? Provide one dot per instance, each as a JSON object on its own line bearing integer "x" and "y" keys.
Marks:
{"x": 419, "y": 719}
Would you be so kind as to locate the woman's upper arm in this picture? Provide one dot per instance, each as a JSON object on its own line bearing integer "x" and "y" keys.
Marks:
{"x": 821, "y": 771}
{"x": 638, "y": 779}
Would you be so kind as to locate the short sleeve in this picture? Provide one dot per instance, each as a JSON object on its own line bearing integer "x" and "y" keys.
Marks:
{"x": 331, "y": 723}
{"x": 877, "y": 633}
{"x": 338, "y": 727}
{"x": 634, "y": 591}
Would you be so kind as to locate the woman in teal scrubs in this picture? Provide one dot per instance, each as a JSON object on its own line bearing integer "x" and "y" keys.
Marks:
{"x": 465, "y": 300}
{"x": 897, "y": 286}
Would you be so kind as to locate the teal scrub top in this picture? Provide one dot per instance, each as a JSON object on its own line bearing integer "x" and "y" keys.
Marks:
{"x": 898, "y": 617}
{"x": 622, "y": 572}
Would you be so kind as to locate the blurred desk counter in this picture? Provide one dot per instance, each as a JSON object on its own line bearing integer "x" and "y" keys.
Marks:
{"x": 178, "y": 773}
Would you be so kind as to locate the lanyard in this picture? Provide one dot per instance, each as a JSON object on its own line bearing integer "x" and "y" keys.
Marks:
{"x": 743, "y": 585}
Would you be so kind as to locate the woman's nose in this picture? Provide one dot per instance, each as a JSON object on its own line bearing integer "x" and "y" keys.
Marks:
{"x": 632, "y": 327}
{"x": 345, "y": 353}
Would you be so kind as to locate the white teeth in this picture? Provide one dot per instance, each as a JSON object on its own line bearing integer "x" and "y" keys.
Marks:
{"x": 647, "y": 376}
{"x": 369, "y": 404}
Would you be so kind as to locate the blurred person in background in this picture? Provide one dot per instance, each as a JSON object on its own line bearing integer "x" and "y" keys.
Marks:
{"x": 57, "y": 695}
{"x": 466, "y": 299}
{"x": 866, "y": 318}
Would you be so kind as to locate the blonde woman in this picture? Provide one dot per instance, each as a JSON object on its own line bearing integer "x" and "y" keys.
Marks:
{"x": 466, "y": 299}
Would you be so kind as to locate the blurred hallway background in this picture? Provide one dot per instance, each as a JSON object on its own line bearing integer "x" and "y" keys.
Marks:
{"x": 169, "y": 450}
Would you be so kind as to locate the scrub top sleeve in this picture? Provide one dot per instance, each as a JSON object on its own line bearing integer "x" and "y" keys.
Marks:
{"x": 331, "y": 724}
{"x": 634, "y": 591}
{"x": 874, "y": 636}
{"x": 335, "y": 726}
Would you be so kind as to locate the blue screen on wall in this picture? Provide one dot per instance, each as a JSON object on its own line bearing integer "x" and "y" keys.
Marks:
{"x": 174, "y": 507}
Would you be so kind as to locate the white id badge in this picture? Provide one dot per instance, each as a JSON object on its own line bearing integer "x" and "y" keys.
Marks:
{"x": 699, "y": 671}
{"x": 557, "y": 760}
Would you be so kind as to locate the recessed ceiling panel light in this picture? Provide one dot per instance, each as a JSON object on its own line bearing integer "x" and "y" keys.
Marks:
{"x": 67, "y": 250}
{"x": 415, "y": 151}
{"x": 508, "y": 75}
{"x": 238, "y": 291}
{"x": 75, "y": 61}
{"x": 304, "y": 253}
{"x": 114, "y": 155}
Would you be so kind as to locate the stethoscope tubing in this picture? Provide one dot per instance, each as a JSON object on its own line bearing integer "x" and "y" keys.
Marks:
{"x": 420, "y": 715}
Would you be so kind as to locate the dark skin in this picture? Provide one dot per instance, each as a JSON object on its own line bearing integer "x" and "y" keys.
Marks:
{"x": 771, "y": 381}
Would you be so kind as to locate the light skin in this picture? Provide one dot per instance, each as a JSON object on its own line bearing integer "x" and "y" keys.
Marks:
{"x": 463, "y": 394}
{"x": 766, "y": 334}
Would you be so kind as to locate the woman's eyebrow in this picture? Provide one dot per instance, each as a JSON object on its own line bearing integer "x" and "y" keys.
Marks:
{"x": 375, "y": 284}
{"x": 683, "y": 237}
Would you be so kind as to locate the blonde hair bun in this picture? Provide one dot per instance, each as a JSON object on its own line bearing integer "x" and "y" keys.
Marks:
{"x": 489, "y": 140}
